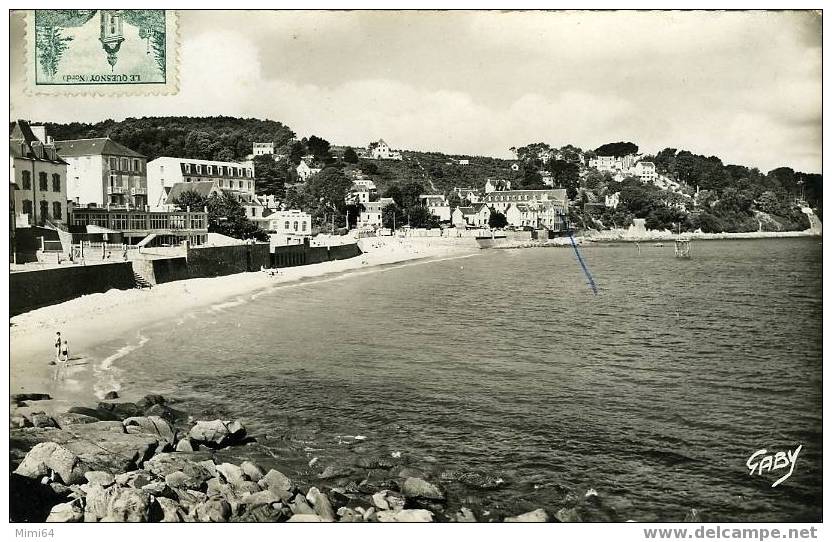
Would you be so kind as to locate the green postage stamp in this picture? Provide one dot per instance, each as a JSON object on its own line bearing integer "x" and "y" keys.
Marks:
{"x": 102, "y": 51}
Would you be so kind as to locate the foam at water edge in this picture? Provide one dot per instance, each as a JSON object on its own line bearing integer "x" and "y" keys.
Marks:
{"x": 106, "y": 376}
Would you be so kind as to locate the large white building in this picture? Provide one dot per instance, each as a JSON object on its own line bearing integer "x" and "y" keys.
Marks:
{"x": 259, "y": 149}
{"x": 39, "y": 174}
{"x": 305, "y": 170}
{"x": 613, "y": 163}
{"x": 501, "y": 200}
{"x": 380, "y": 150}
{"x": 288, "y": 227}
{"x": 475, "y": 216}
{"x": 164, "y": 172}
{"x": 104, "y": 173}
{"x": 534, "y": 215}
{"x": 646, "y": 171}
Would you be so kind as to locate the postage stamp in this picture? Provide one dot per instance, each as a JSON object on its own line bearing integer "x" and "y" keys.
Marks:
{"x": 101, "y": 51}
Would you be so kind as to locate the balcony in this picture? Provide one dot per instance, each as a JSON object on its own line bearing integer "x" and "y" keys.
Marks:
{"x": 116, "y": 190}
{"x": 138, "y": 191}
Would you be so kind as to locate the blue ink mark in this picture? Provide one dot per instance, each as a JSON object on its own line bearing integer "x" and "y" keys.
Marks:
{"x": 580, "y": 259}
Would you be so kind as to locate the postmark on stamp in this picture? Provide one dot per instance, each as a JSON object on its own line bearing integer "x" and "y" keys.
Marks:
{"x": 101, "y": 51}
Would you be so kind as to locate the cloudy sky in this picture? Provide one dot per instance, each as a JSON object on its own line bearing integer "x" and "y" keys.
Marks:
{"x": 745, "y": 86}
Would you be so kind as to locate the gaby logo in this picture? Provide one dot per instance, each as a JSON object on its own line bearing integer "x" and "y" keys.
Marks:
{"x": 762, "y": 461}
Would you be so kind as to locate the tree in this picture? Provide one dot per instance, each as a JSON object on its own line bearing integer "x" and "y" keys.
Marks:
{"x": 420, "y": 217}
{"x": 296, "y": 153}
{"x": 350, "y": 156}
{"x": 497, "y": 220}
{"x": 768, "y": 202}
{"x": 270, "y": 177}
{"x": 531, "y": 179}
{"x": 226, "y": 215}
{"x": 319, "y": 148}
{"x": 392, "y": 217}
{"x": 191, "y": 199}
{"x": 617, "y": 149}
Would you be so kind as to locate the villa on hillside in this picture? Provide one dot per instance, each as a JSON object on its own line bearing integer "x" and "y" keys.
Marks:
{"x": 380, "y": 150}
{"x": 470, "y": 194}
{"x": 437, "y": 205}
{"x": 305, "y": 170}
{"x": 370, "y": 217}
{"x": 501, "y": 200}
{"x": 613, "y": 163}
{"x": 535, "y": 215}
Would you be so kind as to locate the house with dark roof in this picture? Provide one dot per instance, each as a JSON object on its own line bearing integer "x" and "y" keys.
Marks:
{"x": 104, "y": 173}
{"x": 39, "y": 174}
{"x": 475, "y": 216}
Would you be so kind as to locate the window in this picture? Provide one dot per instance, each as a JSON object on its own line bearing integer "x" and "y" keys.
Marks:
{"x": 43, "y": 184}
{"x": 44, "y": 210}
{"x": 187, "y": 168}
{"x": 125, "y": 164}
{"x": 210, "y": 170}
{"x": 27, "y": 207}
{"x": 56, "y": 209}
{"x": 296, "y": 226}
{"x": 303, "y": 226}
{"x": 113, "y": 163}
{"x": 26, "y": 181}
{"x": 56, "y": 183}
{"x": 286, "y": 225}
{"x": 199, "y": 168}
{"x": 137, "y": 166}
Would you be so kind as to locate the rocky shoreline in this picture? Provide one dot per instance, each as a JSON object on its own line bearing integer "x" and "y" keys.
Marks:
{"x": 145, "y": 461}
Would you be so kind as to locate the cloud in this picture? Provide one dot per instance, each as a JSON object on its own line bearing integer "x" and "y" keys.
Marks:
{"x": 743, "y": 86}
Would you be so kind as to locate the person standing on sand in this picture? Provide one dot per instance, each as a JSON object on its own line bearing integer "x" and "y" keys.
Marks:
{"x": 64, "y": 357}
{"x": 57, "y": 348}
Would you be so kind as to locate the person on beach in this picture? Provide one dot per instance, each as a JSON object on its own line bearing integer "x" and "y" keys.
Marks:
{"x": 64, "y": 356}
{"x": 57, "y": 349}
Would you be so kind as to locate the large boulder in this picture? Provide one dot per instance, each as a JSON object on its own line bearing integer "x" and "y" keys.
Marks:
{"x": 535, "y": 516}
{"x": 231, "y": 474}
{"x": 151, "y": 425}
{"x": 101, "y": 478}
{"x": 121, "y": 410}
{"x": 278, "y": 483}
{"x": 99, "y": 414}
{"x": 51, "y": 457}
{"x": 252, "y": 471}
{"x": 214, "y": 510}
{"x": 69, "y": 418}
{"x": 165, "y": 412}
{"x": 167, "y": 511}
{"x": 43, "y": 420}
{"x": 20, "y": 397}
{"x": 217, "y": 433}
{"x": 102, "y": 446}
{"x": 128, "y": 505}
{"x": 150, "y": 400}
{"x": 165, "y": 463}
{"x": 97, "y": 501}
{"x": 320, "y": 503}
{"x": 306, "y": 518}
{"x": 67, "y": 512}
{"x": 259, "y": 513}
{"x": 416, "y": 488}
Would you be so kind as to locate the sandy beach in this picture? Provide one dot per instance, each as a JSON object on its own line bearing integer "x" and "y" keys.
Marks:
{"x": 93, "y": 320}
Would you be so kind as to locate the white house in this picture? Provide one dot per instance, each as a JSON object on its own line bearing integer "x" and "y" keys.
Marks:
{"x": 613, "y": 163}
{"x": 361, "y": 181}
{"x": 437, "y": 205}
{"x": 358, "y": 194}
{"x": 493, "y": 185}
{"x": 371, "y": 215}
{"x": 534, "y": 215}
{"x": 288, "y": 227}
{"x": 475, "y": 216}
{"x": 646, "y": 171}
{"x": 259, "y": 149}
{"x": 470, "y": 194}
{"x": 380, "y": 150}
{"x": 305, "y": 170}
{"x": 612, "y": 200}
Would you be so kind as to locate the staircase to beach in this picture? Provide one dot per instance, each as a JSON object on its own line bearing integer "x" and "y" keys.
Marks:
{"x": 815, "y": 225}
{"x": 141, "y": 282}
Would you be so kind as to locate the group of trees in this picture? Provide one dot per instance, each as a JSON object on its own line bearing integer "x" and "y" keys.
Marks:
{"x": 407, "y": 208}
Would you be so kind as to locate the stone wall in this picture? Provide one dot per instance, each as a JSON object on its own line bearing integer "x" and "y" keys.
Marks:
{"x": 29, "y": 290}
{"x": 227, "y": 260}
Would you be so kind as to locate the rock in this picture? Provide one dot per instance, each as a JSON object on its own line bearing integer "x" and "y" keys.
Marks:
{"x": 277, "y": 482}
{"x": 105, "y": 446}
{"x": 69, "y": 418}
{"x": 300, "y": 506}
{"x": 410, "y": 472}
{"x": 101, "y": 478}
{"x": 192, "y": 477}
{"x": 149, "y": 400}
{"x": 405, "y": 516}
{"x": 416, "y": 488}
{"x": 121, "y": 410}
{"x": 50, "y": 456}
{"x": 332, "y": 471}
{"x": 246, "y": 487}
{"x": 261, "y": 497}
{"x": 158, "y": 489}
{"x": 215, "y": 510}
{"x": 535, "y": 516}
{"x": 166, "y": 413}
{"x": 165, "y": 463}
{"x": 568, "y": 515}
{"x": 29, "y": 500}
{"x": 170, "y": 512}
{"x": 259, "y": 513}
{"x": 348, "y": 515}
{"x": 19, "y": 421}
{"x": 217, "y": 433}
{"x": 251, "y": 470}
{"x": 320, "y": 503}
{"x": 306, "y": 518}
{"x": 111, "y": 395}
{"x": 464, "y": 515}
{"x": 232, "y": 474}
{"x": 369, "y": 514}
{"x": 43, "y": 420}
{"x": 20, "y": 397}
{"x": 152, "y": 425}
{"x": 380, "y": 500}
{"x": 128, "y": 505}
{"x": 185, "y": 445}
{"x": 67, "y": 512}
{"x": 136, "y": 478}
{"x": 97, "y": 501}
{"x": 693, "y": 516}
{"x": 99, "y": 414}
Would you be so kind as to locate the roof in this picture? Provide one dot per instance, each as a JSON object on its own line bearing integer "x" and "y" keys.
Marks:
{"x": 203, "y": 188}
{"x": 94, "y": 147}
{"x": 557, "y": 193}
{"x": 21, "y": 139}
{"x": 198, "y": 161}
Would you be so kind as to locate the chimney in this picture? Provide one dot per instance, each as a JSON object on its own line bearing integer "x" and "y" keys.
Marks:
{"x": 40, "y": 132}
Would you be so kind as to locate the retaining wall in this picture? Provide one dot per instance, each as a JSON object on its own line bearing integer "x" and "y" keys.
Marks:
{"x": 29, "y": 290}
